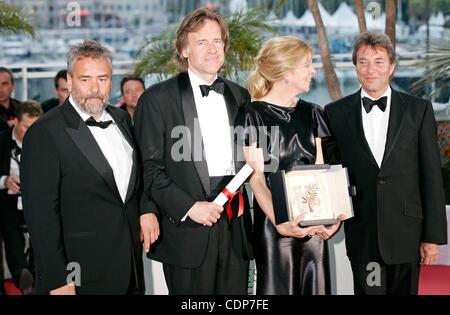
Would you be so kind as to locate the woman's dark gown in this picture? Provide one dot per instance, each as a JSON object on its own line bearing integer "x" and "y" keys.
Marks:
{"x": 286, "y": 265}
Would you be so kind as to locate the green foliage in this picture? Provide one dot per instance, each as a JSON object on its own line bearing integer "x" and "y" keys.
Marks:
{"x": 13, "y": 20}
{"x": 246, "y": 36}
{"x": 158, "y": 56}
{"x": 246, "y": 32}
{"x": 437, "y": 65}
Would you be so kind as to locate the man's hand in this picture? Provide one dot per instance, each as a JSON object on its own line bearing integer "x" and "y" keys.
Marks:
{"x": 13, "y": 183}
{"x": 149, "y": 230}
{"x": 206, "y": 213}
{"x": 68, "y": 289}
{"x": 429, "y": 253}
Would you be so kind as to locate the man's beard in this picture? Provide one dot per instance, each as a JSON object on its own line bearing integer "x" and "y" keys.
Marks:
{"x": 93, "y": 110}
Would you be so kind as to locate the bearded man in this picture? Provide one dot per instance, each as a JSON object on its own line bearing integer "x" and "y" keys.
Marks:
{"x": 81, "y": 187}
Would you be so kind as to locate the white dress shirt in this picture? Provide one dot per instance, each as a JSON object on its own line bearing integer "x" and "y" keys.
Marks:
{"x": 114, "y": 147}
{"x": 375, "y": 124}
{"x": 13, "y": 165}
{"x": 215, "y": 126}
{"x": 216, "y": 131}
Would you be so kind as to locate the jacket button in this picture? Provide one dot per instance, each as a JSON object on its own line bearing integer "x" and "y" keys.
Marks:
{"x": 381, "y": 181}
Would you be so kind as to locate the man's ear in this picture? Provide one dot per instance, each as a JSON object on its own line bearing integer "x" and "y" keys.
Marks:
{"x": 185, "y": 52}
{"x": 69, "y": 83}
{"x": 392, "y": 69}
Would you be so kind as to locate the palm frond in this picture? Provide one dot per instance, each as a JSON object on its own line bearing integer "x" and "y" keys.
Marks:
{"x": 14, "y": 20}
{"x": 158, "y": 56}
{"x": 437, "y": 64}
{"x": 246, "y": 35}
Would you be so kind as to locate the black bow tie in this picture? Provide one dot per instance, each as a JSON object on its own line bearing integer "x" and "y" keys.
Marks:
{"x": 93, "y": 123}
{"x": 368, "y": 103}
{"x": 16, "y": 150}
{"x": 218, "y": 86}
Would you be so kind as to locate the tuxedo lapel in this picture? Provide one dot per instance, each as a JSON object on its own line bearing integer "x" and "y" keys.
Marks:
{"x": 396, "y": 120}
{"x": 191, "y": 121}
{"x": 126, "y": 132}
{"x": 231, "y": 103}
{"x": 83, "y": 139}
{"x": 232, "y": 110}
{"x": 354, "y": 114}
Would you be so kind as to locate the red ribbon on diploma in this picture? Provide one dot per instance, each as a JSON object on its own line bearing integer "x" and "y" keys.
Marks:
{"x": 230, "y": 197}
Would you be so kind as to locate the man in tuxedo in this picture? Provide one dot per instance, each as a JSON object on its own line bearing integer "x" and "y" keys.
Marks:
{"x": 12, "y": 224}
{"x": 7, "y": 103}
{"x": 81, "y": 187}
{"x": 183, "y": 130}
{"x": 388, "y": 142}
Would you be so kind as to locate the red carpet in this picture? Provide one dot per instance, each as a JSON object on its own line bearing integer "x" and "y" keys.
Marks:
{"x": 10, "y": 288}
{"x": 434, "y": 280}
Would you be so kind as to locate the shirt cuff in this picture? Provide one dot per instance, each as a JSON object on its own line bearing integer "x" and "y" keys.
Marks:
{"x": 185, "y": 216}
{"x": 2, "y": 182}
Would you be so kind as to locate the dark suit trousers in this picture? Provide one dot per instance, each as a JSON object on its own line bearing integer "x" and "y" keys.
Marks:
{"x": 2, "y": 289}
{"x": 222, "y": 271}
{"x": 11, "y": 221}
{"x": 400, "y": 279}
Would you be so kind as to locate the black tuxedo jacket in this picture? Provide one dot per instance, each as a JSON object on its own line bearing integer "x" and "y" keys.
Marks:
{"x": 8, "y": 207}
{"x": 400, "y": 204}
{"x": 5, "y": 151}
{"x": 8, "y": 203}
{"x": 10, "y": 218}
{"x": 176, "y": 185}
{"x": 73, "y": 208}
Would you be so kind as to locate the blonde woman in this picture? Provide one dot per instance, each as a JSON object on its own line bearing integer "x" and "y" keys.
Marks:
{"x": 284, "y": 132}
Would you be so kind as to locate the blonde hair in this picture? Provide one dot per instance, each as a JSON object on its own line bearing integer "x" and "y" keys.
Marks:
{"x": 276, "y": 58}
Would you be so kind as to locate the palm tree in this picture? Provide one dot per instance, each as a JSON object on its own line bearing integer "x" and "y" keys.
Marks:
{"x": 359, "y": 6}
{"x": 391, "y": 16}
{"x": 13, "y": 20}
{"x": 331, "y": 79}
{"x": 246, "y": 32}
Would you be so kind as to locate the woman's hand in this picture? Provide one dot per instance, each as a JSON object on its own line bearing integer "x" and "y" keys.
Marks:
{"x": 292, "y": 229}
{"x": 328, "y": 232}
{"x": 255, "y": 158}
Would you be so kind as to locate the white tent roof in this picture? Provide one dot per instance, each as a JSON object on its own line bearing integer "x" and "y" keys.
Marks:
{"x": 326, "y": 17}
{"x": 437, "y": 19}
{"x": 307, "y": 18}
{"x": 344, "y": 17}
{"x": 289, "y": 19}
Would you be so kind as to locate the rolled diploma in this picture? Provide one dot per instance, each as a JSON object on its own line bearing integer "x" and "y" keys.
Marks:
{"x": 234, "y": 184}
